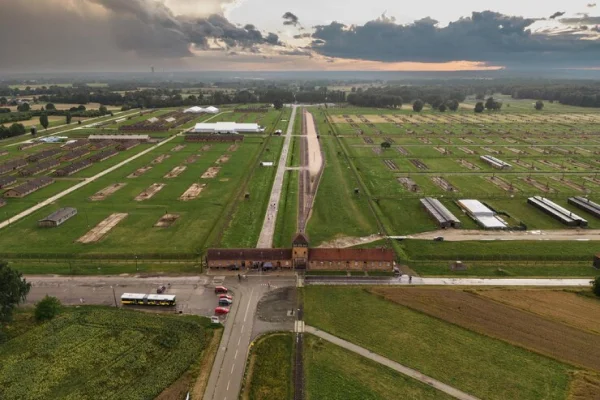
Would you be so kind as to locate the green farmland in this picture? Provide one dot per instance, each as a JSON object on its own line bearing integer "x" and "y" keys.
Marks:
{"x": 474, "y": 363}
{"x": 99, "y": 353}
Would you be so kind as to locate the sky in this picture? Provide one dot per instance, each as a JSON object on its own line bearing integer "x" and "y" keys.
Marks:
{"x": 387, "y": 35}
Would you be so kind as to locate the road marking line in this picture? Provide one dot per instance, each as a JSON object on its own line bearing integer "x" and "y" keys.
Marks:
{"x": 240, "y": 339}
{"x": 235, "y": 356}
{"x": 242, "y": 331}
{"x": 228, "y": 385}
{"x": 248, "y": 306}
{"x": 232, "y": 367}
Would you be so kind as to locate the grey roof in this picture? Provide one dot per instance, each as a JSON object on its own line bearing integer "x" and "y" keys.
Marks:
{"x": 60, "y": 214}
{"x": 7, "y": 180}
{"x": 33, "y": 184}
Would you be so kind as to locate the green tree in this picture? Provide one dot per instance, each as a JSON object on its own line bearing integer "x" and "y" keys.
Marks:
{"x": 480, "y": 96}
{"x": 16, "y": 129}
{"x": 23, "y": 107}
{"x": 44, "y": 121}
{"x": 452, "y": 105}
{"x": 490, "y": 103}
{"x": 103, "y": 110}
{"x": 68, "y": 117}
{"x": 50, "y": 107}
{"x": 47, "y": 308}
{"x": 278, "y": 104}
{"x": 442, "y": 108}
{"x": 539, "y": 105}
{"x": 385, "y": 145}
{"x": 596, "y": 286}
{"x": 479, "y": 107}
{"x": 418, "y": 105}
{"x": 13, "y": 290}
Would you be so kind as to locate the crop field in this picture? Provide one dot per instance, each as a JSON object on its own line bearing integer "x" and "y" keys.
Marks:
{"x": 565, "y": 307}
{"x": 199, "y": 214}
{"x": 479, "y": 314}
{"x": 101, "y": 353}
{"x": 472, "y": 362}
{"x": 269, "y": 369}
{"x": 553, "y": 154}
{"x": 336, "y": 373}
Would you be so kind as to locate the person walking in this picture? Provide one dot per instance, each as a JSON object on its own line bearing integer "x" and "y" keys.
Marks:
{"x": 410, "y": 279}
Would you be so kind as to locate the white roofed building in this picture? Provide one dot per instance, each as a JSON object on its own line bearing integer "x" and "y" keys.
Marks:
{"x": 227, "y": 127}
{"x": 200, "y": 110}
{"x": 485, "y": 217}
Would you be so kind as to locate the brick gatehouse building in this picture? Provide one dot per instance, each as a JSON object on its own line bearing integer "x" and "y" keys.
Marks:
{"x": 301, "y": 256}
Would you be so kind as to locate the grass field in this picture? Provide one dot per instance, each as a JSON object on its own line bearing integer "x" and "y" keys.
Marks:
{"x": 479, "y": 314}
{"x": 479, "y": 365}
{"x": 99, "y": 353}
{"x": 332, "y": 217}
{"x": 333, "y": 373}
{"x": 269, "y": 370}
{"x": 136, "y": 233}
{"x": 198, "y": 218}
{"x": 556, "y": 148}
{"x": 287, "y": 217}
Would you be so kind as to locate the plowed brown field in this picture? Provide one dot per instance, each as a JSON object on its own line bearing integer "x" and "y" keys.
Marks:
{"x": 490, "y": 318}
{"x": 568, "y": 308}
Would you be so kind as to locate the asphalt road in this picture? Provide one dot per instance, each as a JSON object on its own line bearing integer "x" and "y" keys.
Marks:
{"x": 228, "y": 369}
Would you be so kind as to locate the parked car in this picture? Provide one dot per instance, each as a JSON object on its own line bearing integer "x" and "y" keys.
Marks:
{"x": 215, "y": 320}
{"x": 221, "y": 310}
{"x": 225, "y": 296}
{"x": 221, "y": 289}
{"x": 233, "y": 267}
{"x": 438, "y": 239}
{"x": 225, "y": 302}
{"x": 161, "y": 289}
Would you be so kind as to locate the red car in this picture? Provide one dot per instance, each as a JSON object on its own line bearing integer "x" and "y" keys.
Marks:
{"x": 221, "y": 289}
{"x": 221, "y": 310}
{"x": 225, "y": 296}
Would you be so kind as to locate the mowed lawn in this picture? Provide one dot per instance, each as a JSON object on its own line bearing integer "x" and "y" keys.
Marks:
{"x": 99, "y": 353}
{"x": 479, "y": 365}
{"x": 269, "y": 371}
{"x": 338, "y": 211}
{"x": 136, "y": 234}
{"x": 334, "y": 373}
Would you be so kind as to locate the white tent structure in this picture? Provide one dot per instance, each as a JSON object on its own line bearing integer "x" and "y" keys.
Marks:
{"x": 227, "y": 127}
{"x": 200, "y": 110}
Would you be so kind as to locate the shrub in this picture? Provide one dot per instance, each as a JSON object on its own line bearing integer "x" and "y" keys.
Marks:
{"x": 47, "y": 308}
{"x": 596, "y": 286}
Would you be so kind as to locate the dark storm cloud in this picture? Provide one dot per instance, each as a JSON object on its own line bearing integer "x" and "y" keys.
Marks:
{"x": 584, "y": 20}
{"x": 91, "y": 33}
{"x": 290, "y": 19}
{"x": 485, "y": 36}
{"x": 557, "y": 14}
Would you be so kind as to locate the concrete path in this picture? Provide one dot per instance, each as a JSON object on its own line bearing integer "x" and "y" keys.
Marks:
{"x": 416, "y": 281}
{"x": 265, "y": 240}
{"x": 457, "y": 235}
{"x": 87, "y": 181}
{"x": 390, "y": 364}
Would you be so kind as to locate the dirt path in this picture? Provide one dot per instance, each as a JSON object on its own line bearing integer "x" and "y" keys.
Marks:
{"x": 349, "y": 241}
{"x": 315, "y": 158}
{"x": 265, "y": 239}
{"x": 465, "y": 235}
{"x": 391, "y": 364}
